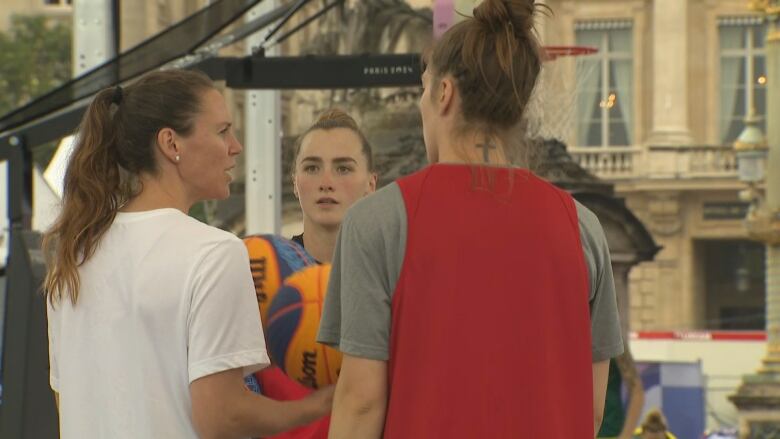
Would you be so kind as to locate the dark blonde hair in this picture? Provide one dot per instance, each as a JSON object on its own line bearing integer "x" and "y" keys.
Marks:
{"x": 495, "y": 59}
{"x": 654, "y": 422}
{"x": 115, "y": 144}
{"x": 332, "y": 119}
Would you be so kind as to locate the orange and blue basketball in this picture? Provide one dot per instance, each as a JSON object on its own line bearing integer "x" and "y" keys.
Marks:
{"x": 291, "y": 331}
{"x": 272, "y": 259}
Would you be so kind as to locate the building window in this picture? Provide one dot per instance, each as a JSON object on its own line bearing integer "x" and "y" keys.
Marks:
{"x": 742, "y": 74}
{"x": 605, "y": 96}
{"x": 733, "y": 278}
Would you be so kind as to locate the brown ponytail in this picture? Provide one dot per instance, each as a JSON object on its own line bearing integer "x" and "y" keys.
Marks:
{"x": 115, "y": 144}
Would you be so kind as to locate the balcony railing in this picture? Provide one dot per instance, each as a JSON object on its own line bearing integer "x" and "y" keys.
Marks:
{"x": 712, "y": 161}
{"x": 607, "y": 163}
{"x": 620, "y": 163}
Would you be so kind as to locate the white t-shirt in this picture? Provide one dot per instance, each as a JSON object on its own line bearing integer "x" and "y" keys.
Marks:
{"x": 164, "y": 301}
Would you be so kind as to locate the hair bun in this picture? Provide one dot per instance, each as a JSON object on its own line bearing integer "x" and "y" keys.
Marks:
{"x": 338, "y": 117}
{"x": 498, "y": 13}
{"x": 655, "y": 420}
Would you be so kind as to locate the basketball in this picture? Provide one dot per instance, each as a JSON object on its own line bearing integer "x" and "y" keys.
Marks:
{"x": 293, "y": 321}
{"x": 272, "y": 259}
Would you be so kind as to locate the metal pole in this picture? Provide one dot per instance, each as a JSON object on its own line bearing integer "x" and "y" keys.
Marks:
{"x": 95, "y": 41}
{"x": 263, "y": 147}
{"x": 758, "y": 397}
{"x": 93, "y": 34}
{"x": 773, "y": 190}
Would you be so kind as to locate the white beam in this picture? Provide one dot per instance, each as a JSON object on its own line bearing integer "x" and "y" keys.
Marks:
{"x": 93, "y": 44}
{"x": 263, "y": 147}
{"x": 93, "y": 34}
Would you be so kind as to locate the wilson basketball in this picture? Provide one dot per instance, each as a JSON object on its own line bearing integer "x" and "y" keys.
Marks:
{"x": 293, "y": 321}
{"x": 272, "y": 259}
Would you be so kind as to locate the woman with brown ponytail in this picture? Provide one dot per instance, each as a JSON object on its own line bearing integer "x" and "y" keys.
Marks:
{"x": 150, "y": 311}
{"x": 472, "y": 299}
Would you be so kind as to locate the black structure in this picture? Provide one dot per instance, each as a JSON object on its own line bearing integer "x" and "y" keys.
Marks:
{"x": 173, "y": 43}
{"x": 28, "y": 409}
{"x": 345, "y": 71}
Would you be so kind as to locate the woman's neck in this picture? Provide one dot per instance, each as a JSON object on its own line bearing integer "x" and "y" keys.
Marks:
{"x": 157, "y": 194}
{"x": 319, "y": 241}
{"x": 475, "y": 150}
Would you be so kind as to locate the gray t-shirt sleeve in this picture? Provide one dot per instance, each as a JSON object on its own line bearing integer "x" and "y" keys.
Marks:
{"x": 367, "y": 262}
{"x": 607, "y": 341}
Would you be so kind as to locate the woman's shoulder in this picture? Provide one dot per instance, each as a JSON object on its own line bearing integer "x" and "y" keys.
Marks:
{"x": 192, "y": 234}
{"x": 380, "y": 204}
{"x": 383, "y": 212}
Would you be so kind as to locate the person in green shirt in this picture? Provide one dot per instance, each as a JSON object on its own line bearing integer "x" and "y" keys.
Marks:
{"x": 619, "y": 421}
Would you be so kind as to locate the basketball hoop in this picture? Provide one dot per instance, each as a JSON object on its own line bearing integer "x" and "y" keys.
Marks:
{"x": 550, "y": 111}
{"x": 551, "y": 53}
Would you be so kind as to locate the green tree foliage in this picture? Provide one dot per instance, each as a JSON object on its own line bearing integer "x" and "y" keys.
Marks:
{"x": 35, "y": 57}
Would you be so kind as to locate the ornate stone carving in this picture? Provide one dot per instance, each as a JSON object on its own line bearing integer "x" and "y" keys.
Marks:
{"x": 664, "y": 214}
{"x": 764, "y": 225}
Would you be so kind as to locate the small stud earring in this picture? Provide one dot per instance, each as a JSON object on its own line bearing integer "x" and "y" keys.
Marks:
{"x": 178, "y": 158}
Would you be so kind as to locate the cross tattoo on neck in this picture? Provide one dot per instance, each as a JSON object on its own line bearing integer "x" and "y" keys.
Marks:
{"x": 486, "y": 147}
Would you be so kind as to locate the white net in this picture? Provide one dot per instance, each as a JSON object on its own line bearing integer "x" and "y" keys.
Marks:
{"x": 551, "y": 112}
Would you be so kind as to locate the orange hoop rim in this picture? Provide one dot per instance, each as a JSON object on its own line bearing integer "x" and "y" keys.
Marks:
{"x": 551, "y": 53}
